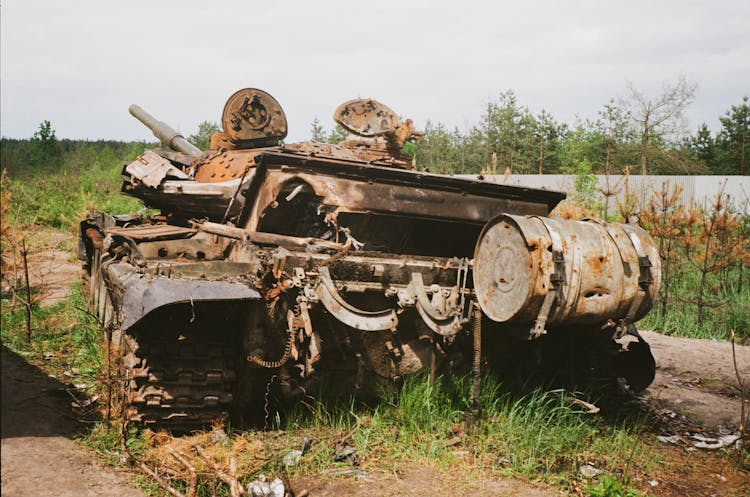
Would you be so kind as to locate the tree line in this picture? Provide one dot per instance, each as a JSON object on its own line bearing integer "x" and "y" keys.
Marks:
{"x": 641, "y": 134}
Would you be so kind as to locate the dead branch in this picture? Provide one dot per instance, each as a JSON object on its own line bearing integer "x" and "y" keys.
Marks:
{"x": 230, "y": 479}
{"x": 193, "y": 484}
{"x": 123, "y": 445}
{"x": 162, "y": 483}
{"x": 24, "y": 254}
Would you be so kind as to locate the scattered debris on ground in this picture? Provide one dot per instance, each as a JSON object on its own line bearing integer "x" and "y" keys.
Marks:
{"x": 696, "y": 384}
{"x": 211, "y": 457}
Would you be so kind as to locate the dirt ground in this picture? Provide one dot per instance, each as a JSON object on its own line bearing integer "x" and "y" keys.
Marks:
{"x": 52, "y": 266}
{"x": 416, "y": 482}
{"x": 38, "y": 457}
{"x": 695, "y": 379}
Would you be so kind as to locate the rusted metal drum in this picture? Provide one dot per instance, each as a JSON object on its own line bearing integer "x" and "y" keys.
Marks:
{"x": 599, "y": 271}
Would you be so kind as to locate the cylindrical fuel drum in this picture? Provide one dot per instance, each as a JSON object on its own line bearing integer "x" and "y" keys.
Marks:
{"x": 599, "y": 270}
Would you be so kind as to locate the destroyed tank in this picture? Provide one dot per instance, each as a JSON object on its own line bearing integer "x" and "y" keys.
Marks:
{"x": 273, "y": 269}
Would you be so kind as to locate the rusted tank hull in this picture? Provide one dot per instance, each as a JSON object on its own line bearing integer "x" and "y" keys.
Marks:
{"x": 271, "y": 270}
{"x": 351, "y": 261}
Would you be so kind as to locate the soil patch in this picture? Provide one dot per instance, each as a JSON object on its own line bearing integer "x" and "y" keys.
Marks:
{"x": 52, "y": 267}
{"x": 416, "y": 481}
{"x": 696, "y": 378}
{"x": 38, "y": 457}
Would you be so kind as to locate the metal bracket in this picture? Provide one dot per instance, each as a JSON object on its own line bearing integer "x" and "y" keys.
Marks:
{"x": 347, "y": 313}
{"x": 445, "y": 324}
{"x": 645, "y": 278}
{"x": 556, "y": 280}
{"x": 541, "y": 319}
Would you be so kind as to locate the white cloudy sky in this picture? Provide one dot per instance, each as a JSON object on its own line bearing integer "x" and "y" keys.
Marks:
{"x": 81, "y": 63}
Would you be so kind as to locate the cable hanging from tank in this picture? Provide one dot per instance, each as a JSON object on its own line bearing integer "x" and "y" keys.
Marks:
{"x": 258, "y": 361}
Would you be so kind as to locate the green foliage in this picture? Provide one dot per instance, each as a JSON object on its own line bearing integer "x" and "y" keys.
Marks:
{"x": 44, "y": 146}
{"x": 85, "y": 176}
{"x": 65, "y": 331}
{"x": 681, "y": 318}
{"x": 319, "y": 133}
{"x": 585, "y": 183}
{"x": 576, "y": 153}
{"x": 609, "y": 486}
{"x": 657, "y": 119}
{"x": 104, "y": 439}
{"x": 202, "y": 138}
{"x": 733, "y": 138}
{"x": 439, "y": 150}
{"x": 643, "y": 129}
{"x": 337, "y": 135}
{"x": 704, "y": 148}
{"x": 705, "y": 257}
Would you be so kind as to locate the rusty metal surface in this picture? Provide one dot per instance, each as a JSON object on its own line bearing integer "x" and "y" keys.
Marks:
{"x": 224, "y": 165}
{"x": 253, "y": 118}
{"x": 376, "y": 132}
{"x": 514, "y": 270}
{"x": 142, "y": 295}
{"x": 370, "y": 196}
{"x": 151, "y": 231}
{"x": 193, "y": 198}
{"x": 151, "y": 169}
{"x": 366, "y": 117}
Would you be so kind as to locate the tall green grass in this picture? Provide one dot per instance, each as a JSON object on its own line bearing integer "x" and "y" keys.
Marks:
{"x": 540, "y": 435}
{"x": 57, "y": 192}
{"x": 729, "y": 309}
{"x": 63, "y": 336}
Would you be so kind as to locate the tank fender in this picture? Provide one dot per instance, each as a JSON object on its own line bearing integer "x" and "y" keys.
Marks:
{"x": 141, "y": 295}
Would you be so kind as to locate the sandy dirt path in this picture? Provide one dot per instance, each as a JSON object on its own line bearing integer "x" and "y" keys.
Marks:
{"x": 38, "y": 458}
{"x": 697, "y": 378}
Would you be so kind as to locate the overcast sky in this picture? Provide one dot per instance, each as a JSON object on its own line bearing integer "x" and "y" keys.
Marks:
{"x": 80, "y": 64}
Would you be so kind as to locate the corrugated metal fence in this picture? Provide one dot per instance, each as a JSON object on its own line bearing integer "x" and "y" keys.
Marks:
{"x": 696, "y": 190}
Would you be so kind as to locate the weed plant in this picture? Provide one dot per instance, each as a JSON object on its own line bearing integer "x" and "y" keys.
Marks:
{"x": 612, "y": 487}
{"x": 705, "y": 256}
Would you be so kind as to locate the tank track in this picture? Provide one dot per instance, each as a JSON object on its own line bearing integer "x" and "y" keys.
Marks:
{"x": 177, "y": 384}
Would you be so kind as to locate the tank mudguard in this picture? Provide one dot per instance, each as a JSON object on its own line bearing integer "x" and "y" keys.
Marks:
{"x": 142, "y": 294}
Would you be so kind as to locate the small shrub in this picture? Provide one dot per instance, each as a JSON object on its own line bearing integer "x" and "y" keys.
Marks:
{"x": 609, "y": 486}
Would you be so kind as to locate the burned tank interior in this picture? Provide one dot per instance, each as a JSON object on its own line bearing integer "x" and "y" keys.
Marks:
{"x": 379, "y": 209}
{"x": 298, "y": 212}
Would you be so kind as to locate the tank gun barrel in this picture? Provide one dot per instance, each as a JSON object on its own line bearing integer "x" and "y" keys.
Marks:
{"x": 165, "y": 132}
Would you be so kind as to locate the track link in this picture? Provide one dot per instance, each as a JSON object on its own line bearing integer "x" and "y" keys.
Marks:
{"x": 177, "y": 384}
